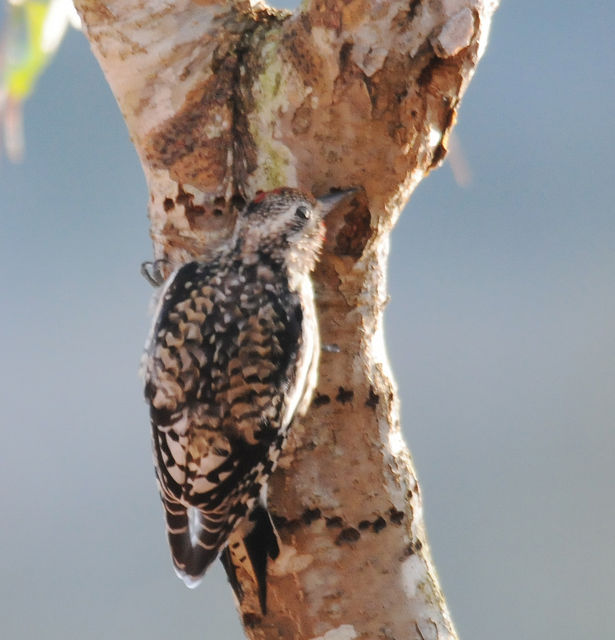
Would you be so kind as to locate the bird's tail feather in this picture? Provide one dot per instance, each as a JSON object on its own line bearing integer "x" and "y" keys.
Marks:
{"x": 194, "y": 544}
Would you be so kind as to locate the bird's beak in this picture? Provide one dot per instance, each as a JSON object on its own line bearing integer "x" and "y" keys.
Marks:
{"x": 331, "y": 200}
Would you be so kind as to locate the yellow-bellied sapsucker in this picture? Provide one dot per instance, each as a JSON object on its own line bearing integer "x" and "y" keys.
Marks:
{"x": 231, "y": 358}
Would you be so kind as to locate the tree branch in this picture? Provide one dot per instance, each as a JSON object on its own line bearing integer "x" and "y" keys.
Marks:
{"x": 222, "y": 99}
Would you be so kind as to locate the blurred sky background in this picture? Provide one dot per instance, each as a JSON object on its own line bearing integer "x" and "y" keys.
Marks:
{"x": 501, "y": 331}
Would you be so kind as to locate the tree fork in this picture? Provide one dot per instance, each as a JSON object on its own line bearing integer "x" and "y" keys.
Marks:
{"x": 222, "y": 99}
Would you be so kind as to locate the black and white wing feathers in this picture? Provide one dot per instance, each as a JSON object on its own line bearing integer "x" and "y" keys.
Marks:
{"x": 221, "y": 368}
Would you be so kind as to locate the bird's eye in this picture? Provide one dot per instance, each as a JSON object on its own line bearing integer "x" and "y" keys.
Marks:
{"x": 303, "y": 213}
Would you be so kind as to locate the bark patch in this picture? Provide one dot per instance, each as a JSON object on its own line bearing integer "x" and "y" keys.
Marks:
{"x": 310, "y": 515}
{"x": 352, "y": 238}
{"x": 350, "y": 534}
{"x": 379, "y": 524}
{"x": 251, "y": 620}
{"x": 414, "y": 547}
{"x": 335, "y": 522}
{"x": 373, "y": 399}
{"x": 344, "y": 395}
{"x": 321, "y": 399}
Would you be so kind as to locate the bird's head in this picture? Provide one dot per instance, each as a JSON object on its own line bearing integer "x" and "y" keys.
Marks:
{"x": 286, "y": 224}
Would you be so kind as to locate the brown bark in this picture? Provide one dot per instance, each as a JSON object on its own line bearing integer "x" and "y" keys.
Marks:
{"x": 223, "y": 99}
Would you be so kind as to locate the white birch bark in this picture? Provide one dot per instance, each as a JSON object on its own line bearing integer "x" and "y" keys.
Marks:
{"x": 224, "y": 98}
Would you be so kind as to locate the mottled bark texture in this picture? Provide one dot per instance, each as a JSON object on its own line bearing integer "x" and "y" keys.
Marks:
{"x": 223, "y": 99}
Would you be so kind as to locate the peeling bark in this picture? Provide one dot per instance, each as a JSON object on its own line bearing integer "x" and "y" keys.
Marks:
{"x": 223, "y": 99}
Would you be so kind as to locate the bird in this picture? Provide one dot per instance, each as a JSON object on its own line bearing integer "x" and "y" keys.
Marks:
{"x": 230, "y": 360}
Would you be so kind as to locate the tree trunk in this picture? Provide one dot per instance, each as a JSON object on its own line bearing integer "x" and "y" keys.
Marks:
{"x": 223, "y": 99}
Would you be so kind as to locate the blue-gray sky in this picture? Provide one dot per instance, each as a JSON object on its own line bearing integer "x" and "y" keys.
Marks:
{"x": 501, "y": 330}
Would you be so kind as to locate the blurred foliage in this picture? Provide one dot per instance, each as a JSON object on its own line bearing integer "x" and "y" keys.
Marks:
{"x": 31, "y": 33}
